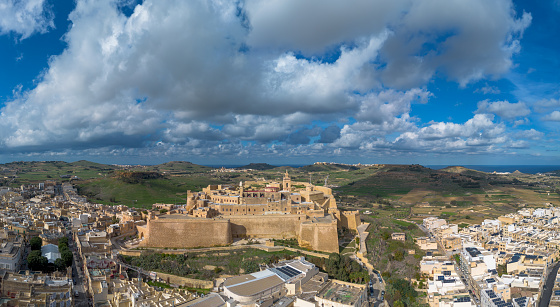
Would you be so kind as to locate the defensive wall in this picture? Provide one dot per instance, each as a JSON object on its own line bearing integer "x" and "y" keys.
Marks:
{"x": 177, "y": 231}
{"x": 278, "y": 226}
{"x": 321, "y": 236}
{"x": 350, "y": 219}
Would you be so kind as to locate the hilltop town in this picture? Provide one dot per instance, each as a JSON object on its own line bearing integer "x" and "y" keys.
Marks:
{"x": 258, "y": 209}
{"x": 219, "y": 215}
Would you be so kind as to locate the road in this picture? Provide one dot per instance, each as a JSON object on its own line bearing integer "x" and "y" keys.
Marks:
{"x": 375, "y": 299}
{"x": 549, "y": 285}
{"x": 78, "y": 279}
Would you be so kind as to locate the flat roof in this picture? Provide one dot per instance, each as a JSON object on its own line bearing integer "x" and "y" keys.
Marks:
{"x": 340, "y": 293}
{"x": 211, "y": 300}
{"x": 255, "y": 286}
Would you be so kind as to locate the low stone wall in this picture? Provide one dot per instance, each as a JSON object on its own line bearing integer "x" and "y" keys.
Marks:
{"x": 186, "y": 282}
{"x": 133, "y": 253}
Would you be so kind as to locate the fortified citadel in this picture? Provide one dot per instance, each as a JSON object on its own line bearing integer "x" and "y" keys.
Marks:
{"x": 220, "y": 213}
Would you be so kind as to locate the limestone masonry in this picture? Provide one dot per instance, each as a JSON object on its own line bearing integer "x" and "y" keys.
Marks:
{"x": 261, "y": 209}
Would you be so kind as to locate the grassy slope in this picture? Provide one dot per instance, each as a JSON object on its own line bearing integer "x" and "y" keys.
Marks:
{"x": 177, "y": 168}
{"x": 34, "y": 172}
{"x": 401, "y": 179}
{"x": 171, "y": 189}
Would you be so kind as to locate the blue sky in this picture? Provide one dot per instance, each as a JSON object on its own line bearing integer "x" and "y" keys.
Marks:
{"x": 280, "y": 81}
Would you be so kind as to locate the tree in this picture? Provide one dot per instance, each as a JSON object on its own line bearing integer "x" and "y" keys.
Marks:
{"x": 67, "y": 257}
{"x": 343, "y": 268}
{"x": 36, "y": 261}
{"x": 62, "y": 241}
{"x": 36, "y": 243}
{"x": 401, "y": 290}
{"x": 60, "y": 265}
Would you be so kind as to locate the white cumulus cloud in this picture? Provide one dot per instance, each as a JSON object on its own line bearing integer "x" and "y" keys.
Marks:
{"x": 553, "y": 117}
{"x": 25, "y": 17}
{"x": 264, "y": 77}
{"x": 503, "y": 109}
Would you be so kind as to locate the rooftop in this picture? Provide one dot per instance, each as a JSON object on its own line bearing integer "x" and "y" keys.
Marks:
{"x": 343, "y": 293}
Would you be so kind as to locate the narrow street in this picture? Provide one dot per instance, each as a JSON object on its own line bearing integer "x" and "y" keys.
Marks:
{"x": 78, "y": 278}
{"x": 548, "y": 286}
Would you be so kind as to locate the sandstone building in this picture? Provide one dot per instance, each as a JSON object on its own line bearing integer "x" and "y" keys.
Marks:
{"x": 261, "y": 209}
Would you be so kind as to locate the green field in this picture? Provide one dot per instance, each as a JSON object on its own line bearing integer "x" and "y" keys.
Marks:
{"x": 143, "y": 194}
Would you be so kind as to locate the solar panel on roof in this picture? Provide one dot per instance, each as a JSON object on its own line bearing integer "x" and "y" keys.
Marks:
{"x": 292, "y": 270}
{"x": 288, "y": 271}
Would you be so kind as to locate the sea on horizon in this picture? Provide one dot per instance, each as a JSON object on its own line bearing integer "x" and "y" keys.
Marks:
{"x": 527, "y": 169}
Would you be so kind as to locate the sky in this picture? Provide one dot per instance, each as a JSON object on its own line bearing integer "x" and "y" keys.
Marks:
{"x": 432, "y": 82}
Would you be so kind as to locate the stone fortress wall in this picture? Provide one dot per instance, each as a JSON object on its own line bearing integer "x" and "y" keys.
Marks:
{"x": 266, "y": 226}
{"x": 319, "y": 236}
{"x": 178, "y": 232}
{"x": 220, "y": 213}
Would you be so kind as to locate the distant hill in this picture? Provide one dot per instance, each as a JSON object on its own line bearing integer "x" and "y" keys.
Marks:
{"x": 401, "y": 179}
{"x": 258, "y": 166}
{"x": 40, "y": 171}
{"x": 328, "y": 168}
{"x": 85, "y": 163}
{"x": 462, "y": 170}
{"x": 179, "y": 167}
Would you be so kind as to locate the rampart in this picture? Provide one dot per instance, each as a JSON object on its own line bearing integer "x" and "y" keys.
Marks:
{"x": 180, "y": 232}
{"x": 322, "y": 236}
{"x": 278, "y": 226}
{"x": 350, "y": 219}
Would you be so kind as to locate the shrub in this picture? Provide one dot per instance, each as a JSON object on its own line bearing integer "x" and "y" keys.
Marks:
{"x": 36, "y": 243}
